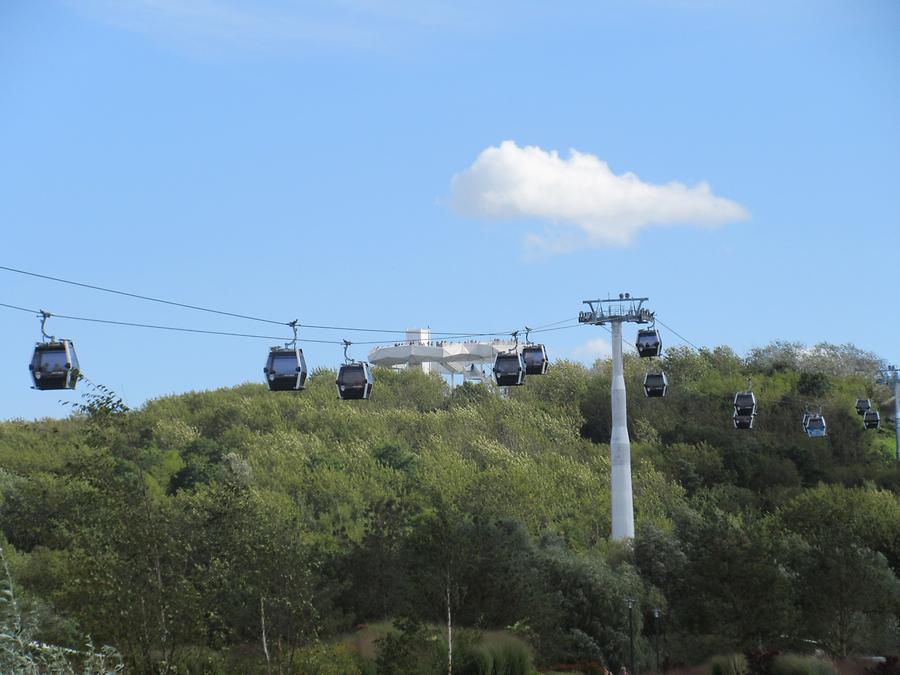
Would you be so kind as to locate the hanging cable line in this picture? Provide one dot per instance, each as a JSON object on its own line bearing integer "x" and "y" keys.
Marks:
{"x": 683, "y": 339}
{"x": 248, "y": 317}
{"x": 140, "y": 297}
{"x": 21, "y": 309}
{"x": 550, "y": 330}
{"x": 556, "y": 323}
{"x": 202, "y": 331}
{"x": 159, "y": 327}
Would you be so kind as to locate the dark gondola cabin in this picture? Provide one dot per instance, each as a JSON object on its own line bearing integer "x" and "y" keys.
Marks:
{"x": 815, "y": 426}
{"x": 535, "y": 357}
{"x": 862, "y": 405}
{"x": 54, "y": 365}
{"x": 509, "y": 369}
{"x": 285, "y": 369}
{"x": 655, "y": 385}
{"x": 743, "y": 421}
{"x": 354, "y": 381}
{"x": 648, "y": 342}
{"x": 872, "y": 419}
{"x": 744, "y": 403}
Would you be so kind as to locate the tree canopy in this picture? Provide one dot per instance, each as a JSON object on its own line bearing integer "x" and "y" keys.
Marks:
{"x": 241, "y": 523}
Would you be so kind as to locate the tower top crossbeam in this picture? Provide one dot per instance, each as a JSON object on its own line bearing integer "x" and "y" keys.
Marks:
{"x": 616, "y": 310}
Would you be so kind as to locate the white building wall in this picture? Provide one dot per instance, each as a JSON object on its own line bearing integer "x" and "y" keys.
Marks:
{"x": 420, "y": 336}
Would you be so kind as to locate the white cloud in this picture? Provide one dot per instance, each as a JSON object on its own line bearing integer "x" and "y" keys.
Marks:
{"x": 592, "y": 350}
{"x": 583, "y": 203}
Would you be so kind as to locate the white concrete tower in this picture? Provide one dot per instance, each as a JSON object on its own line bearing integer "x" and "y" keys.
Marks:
{"x": 615, "y": 312}
{"x": 620, "y": 446}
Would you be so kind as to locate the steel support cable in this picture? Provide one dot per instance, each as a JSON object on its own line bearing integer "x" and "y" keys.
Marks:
{"x": 554, "y": 323}
{"x": 140, "y": 297}
{"x": 667, "y": 327}
{"x": 180, "y": 329}
{"x": 134, "y": 324}
{"x": 550, "y": 330}
{"x": 21, "y": 309}
{"x": 683, "y": 339}
{"x": 237, "y": 315}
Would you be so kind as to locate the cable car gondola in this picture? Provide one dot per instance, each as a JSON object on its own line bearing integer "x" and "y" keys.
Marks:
{"x": 648, "y": 342}
{"x": 354, "y": 380}
{"x": 743, "y": 421}
{"x": 744, "y": 407}
{"x": 285, "y": 369}
{"x": 54, "y": 364}
{"x": 655, "y": 385}
{"x": 872, "y": 420}
{"x": 509, "y": 369}
{"x": 815, "y": 425}
{"x": 862, "y": 405}
{"x": 744, "y": 403}
{"x": 535, "y": 358}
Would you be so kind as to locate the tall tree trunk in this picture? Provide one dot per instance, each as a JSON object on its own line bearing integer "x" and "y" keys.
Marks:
{"x": 449, "y": 631}
{"x": 156, "y": 562}
{"x": 262, "y": 619}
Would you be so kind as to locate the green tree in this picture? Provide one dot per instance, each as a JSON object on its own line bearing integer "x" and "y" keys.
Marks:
{"x": 848, "y": 591}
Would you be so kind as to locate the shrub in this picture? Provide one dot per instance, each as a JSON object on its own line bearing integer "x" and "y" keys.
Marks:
{"x": 21, "y": 652}
{"x": 583, "y": 647}
{"x": 511, "y": 657}
{"x": 584, "y": 667}
{"x": 492, "y": 655}
{"x": 760, "y": 660}
{"x": 730, "y": 664}
{"x": 797, "y": 664}
{"x": 890, "y": 666}
{"x": 474, "y": 660}
{"x": 328, "y": 660}
{"x": 412, "y": 650}
{"x": 201, "y": 660}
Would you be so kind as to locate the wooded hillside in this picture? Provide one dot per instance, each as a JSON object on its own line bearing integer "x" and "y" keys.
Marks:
{"x": 239, "y": 525}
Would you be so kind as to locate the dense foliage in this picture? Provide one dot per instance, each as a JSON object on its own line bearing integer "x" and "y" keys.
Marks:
{"x": 244, "y": 527}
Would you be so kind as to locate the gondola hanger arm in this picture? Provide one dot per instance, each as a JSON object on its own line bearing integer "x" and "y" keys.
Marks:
{"x": 44, "y": 315}
{"x": 295, "y": 326}
{"x": 347, "y": 358}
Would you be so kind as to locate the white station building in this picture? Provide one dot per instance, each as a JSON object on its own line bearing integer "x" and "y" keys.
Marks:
{"x": 441, "y": 356}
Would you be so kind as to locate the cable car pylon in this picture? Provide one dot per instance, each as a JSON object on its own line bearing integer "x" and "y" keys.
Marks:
{"x": 890, "y": 376}
{"x": 615, "y": 312}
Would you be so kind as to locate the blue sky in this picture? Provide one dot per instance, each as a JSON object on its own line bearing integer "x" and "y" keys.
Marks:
{"x": 297, "y": 160}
